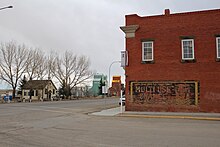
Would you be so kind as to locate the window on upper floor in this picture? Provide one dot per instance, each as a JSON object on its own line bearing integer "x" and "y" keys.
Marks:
{"x": 188, "y": 49}
{"x": 218, "y": 47}
{"x": 147, "y": 51}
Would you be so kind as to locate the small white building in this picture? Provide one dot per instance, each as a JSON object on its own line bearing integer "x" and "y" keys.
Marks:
{"x": 39, "y": 90}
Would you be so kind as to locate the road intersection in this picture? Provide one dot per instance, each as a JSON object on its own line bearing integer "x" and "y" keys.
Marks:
{"x": 82, "y": 123}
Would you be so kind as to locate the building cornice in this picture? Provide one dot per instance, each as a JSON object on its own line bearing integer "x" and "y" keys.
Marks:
{"x": 129, "y": 30}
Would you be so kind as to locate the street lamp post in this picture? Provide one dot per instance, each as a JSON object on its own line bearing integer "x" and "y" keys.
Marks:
{"x": 109, "y": 72}
{"x": 6, "y": 7}
{"x": 110, "y": 82}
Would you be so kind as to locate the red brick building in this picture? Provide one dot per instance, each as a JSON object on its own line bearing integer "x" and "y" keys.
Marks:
{"x": 115, "y": 90}
{"x": 173, "y": 62}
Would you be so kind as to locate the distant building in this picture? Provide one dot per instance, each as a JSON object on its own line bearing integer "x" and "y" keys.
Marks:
{"x": 6, "y": 93}
{"x": 115, "y": 90}
{"x": 39, "y": 90}
{"x": 173, "y": 62}
{"x": 82, "y": 91}
{"x": 95, "y": 91}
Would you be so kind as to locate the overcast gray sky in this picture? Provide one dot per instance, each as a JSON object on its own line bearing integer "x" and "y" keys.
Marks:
{"x": 86, "y": 27}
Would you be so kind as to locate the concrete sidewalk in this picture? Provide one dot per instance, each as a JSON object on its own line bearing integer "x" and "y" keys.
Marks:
{"x": 170, "y": 115}
{"x": 109, "y": 112}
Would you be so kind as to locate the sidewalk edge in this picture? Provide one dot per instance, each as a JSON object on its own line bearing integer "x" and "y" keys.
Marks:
{"x": 170, "y": 117}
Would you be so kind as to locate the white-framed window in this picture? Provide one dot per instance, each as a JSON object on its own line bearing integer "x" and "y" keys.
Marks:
{"x": 147, "y": 51}
{"x": 188, "y": 49}
{"x": 218, "y": 47}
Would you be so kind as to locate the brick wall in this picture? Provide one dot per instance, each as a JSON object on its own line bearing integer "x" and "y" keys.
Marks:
{"x": 166, "y": 32}
{"x": 115, "y": 90}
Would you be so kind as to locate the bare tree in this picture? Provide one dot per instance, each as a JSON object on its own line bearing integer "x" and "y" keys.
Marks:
{"x": 36, "y": 67}
{"x": 72, "y": 69}
{"x": 41, "y": 66}
{"x": 82, "y": 72}
{"x": 13, "y": 63}
{"x": 41, "y": 71}
{"x": 50, "y": 64}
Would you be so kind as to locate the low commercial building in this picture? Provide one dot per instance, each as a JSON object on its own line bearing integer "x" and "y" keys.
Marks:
{"x": 115, "y": 90}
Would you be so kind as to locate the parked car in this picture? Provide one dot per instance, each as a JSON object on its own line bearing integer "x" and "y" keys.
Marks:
{"x": 122, "y": 99}
{"x": 56, "y": 98}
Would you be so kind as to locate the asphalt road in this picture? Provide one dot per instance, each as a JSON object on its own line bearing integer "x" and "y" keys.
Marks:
{"x": 66, "y": 124}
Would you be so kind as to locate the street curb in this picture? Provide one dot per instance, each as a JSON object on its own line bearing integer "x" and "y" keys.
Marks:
{"x": 171, "y": 117}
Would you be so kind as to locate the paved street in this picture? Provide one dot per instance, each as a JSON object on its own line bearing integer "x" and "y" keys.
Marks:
{"x": 67, "y": 123}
